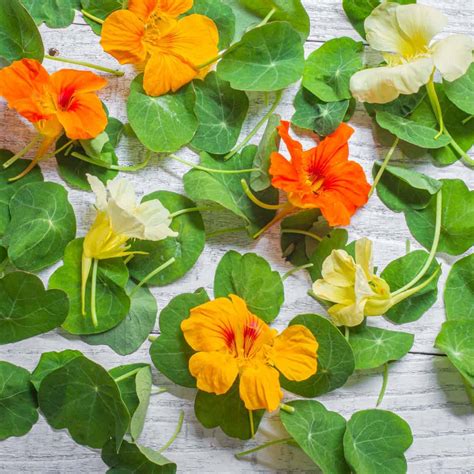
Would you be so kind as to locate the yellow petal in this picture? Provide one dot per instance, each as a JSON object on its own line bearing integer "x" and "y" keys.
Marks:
{"x": 363, "y": 255}
{"x": 452, "y": 56}
{"x": 332, "y": 293}
{"x": 339, "y": 268}
{"x": 174, "y": 8}
{"x": 349, "y": 316}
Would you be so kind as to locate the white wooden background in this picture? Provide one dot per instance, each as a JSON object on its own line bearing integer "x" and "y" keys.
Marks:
{"x": 423, "y": 387}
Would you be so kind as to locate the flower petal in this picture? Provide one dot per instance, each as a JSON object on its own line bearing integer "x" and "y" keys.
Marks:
{"x": 123, "y": 193}
{"x": 69, "y": 82}
{"x": 143, "y": 8}
{"x": 174, "y": 8}
{"x": 294, "y": 147}
{"x": 125, "y": 222}
{"x": 334, "y": 148}
{"x": 363, "y": 256}
{"x": 100, "y": 192}
{"x": 335, "y": 294}
{"x": 260, "y": 387}
{"x": 156, "y": 220}
{"x": 452, "y": 56}
{"x": 284, "y": 174}
{"x": 339, "y": 269}
{"x": 347, "y": 315}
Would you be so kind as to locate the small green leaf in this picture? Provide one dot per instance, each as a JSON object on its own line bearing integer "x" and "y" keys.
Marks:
{"x": 55, "y": 14}
{"x": 319, "y": 433}
{"x": 84, "y": 399}
{"x": 329, "y": 69}
{"x": 26, "y": 309}
{"x": 101, "y": 9}
{"x": 459, "y": 290}
{"x": 374, "y": 347}
{"x": 163, "y": 124}
{"x": 245, "y": 20}
{"x": 250, "y": 277}
{"x": 375, "y": 442}
{"x": 18, "y": 405}
{"x": 404, "y": 105}
{"x": 42, "y": 224}
{"x": 170, "y": 353}
{"x": 461, "y": 91}
{"x": 260, "y": 63}
{"x": 221, "y": 112}
{"x": 335, "y": 358}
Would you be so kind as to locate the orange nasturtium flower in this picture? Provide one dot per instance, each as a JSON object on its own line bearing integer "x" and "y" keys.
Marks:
{"x": 170, "y": 49}
{"x": 63, "y": 102}
{"x": 232, "y": 342}
{"x": 322, "y": 177}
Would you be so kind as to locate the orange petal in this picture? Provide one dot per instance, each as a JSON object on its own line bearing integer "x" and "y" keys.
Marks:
{"x": 284, "y": 174}
{"x": 294, "y": 147}
{"x": 334, "y": 148}
{"x": 72, "y": 81}
{"x": 143, "y": 8}
{"x": 122, "y": 37}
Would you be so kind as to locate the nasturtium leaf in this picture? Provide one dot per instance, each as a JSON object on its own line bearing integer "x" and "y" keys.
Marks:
{"x": 56, "y": 14}
{"x": 401, "y": 188}
{"x": 456, "y": 340}
{"x": 18, "y": 405}
{"x": 270, "y": 143}
{"x": 49, "y": 362}
{"x": 26, "y": 309}
{"x": 137, "y": 459}
{"x": 226, "y": 411}
{"x": 319, "y": 433}
{"x": 260, "y": 63}
{"x": 101, "y": 9}
{"x": 170, "y": 352}
{"x": 335, "y": 358}
{"x": 221, "y": 112}
{"x": 399, "y": 273}
{"x": 404, "y": 105}
{"x": 226, "y": 189}
{"x": 84, "y": 399}
{"x": 42, "y": 224}
{"x": 112, "y": 302}
{"x": 250, "y": 277}
{"x": 245, "y": 20}
{"x": 127, "y": 337}
{"x": 457, "y": 219}
{"x": 316, "y": 115}
{"x": 459, "y": 290}
{"x": 163, "y": 124}
{"x": 185, "y": 248}
{"x": 375, "y": 442}
{"x": 19, "y": 36}
{"x": 8, "y": 189}
{"x": 3, "y": 257}
{"x": 461, "y": 91}
{"x": 329, "y": 69}
{"x": 374, "y": 347}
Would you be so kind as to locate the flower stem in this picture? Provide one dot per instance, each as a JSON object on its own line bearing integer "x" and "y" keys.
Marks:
{"x": 347, "y": 333}
{"x": 128, "y": 375}
{"x": 384, "y": 166}
{"x": 95, "y": 264}
{"x": 289, "y": 409}
{"x": 23, "y": 152}
{"x": 267, "y": 18}
{"x": 433, "y": 96}
{"x": 92, "y": 17}
{"x": 214, "y": 59}
{"x": 302, "y": 232}
{"x": 256, "y": 201}
{"x": 296, "y": 269}
{"x": 189, "y": 210}
{"x": 85, "y": 64}
{"x": 263, "y": 446}
{"x": 211, "y": 170}
{"x": 152, "y": 274}
{"x": 219, "y": 232}
{"x": 175, "y": 434}
{"x": 464, "y": 156}
{"x": 252, "y": 425}
{"x": 257, "y": 127}
{"x": 108, "y": 166}
{"x": 407, "y": 246}
{"x": 384, "y": 384}
{"x": 467, "y": 119}
{"x": 288, "y": 209}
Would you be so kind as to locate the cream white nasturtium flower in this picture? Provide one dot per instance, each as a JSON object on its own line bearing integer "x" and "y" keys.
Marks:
{"x": 404, "y": 34}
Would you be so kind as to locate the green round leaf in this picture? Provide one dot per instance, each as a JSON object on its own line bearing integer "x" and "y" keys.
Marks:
{"x": 42, "y": 224}
{"x": 163, "y": 124}
{"x": 335, "y": 358}
{"x": 84, "y": 399}
{"x": 244, "y": 18}
{"x": 259, "y": 63}
{"x": 250, "y": 277}
{"x": 112, "y": 303}
{"x": 461, "y": 91}
{"x": 185, "y": 248}
{"x": 319, "y": 433}
{"x": 26, "y": 309}
{"x": 329, "y": 69}
{"x": 17, "y": 401}
{"x": 459, "y": 290}
{"x": 403, "y": 105}
{"x": 101, "y": 9}
{"x": 375, "y": 442}
{"x": 55, "y": 14}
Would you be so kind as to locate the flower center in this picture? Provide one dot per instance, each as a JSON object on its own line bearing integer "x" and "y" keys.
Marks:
{"x": 156, "y": 28}
{"x": 65, "y": 98}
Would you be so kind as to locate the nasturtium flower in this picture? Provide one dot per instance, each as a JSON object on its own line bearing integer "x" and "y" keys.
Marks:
{"x": 404, "y": 34}
{"x": 322, "y": 177}
{"x": 231, "y": 342}
{"x": 171, "y": 50}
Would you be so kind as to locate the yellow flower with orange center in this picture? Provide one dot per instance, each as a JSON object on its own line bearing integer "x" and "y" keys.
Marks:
{"x": 232, "y": 342}
{"x": 171, "y": 50}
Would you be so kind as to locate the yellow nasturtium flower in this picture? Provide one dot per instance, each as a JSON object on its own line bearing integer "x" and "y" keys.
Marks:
{"x": 404, "y": 34}
{"x": 232, "y": 342}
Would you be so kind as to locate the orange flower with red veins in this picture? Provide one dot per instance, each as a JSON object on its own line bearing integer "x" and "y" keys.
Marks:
{"x": 322, "y": 177}
{"x": 172, "y": 51}
{"x": 232, "y": 342}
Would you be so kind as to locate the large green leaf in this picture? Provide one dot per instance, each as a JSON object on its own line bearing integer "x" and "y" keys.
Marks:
{"x": 56, "y": 14}
{"x": 101, "y": 9}
{"x": 319, "y": 433}
{"x": 17, "y": 401}
{"x": 26, "y": 309}
{"x": 375, "y": 442}
{"x": 335, "y": 358}
{"x": 19, "y": 36}
{"x": 163, "y": 124}
{"x": 185, "y": 248}
{"x": 221, "y": 112}
{"x": 42, "y": 224}
{"x": 459, "y": 290}
{"x": 260, "y": 63}
{"x": 84, "y": 399}
{"x": 244, "y": 18}
{"x": 457, "y": 219}
{"x": 403, "y": 105}
{"x": 170, "y": 352}
{"x": 250, "y": 277}
{"x": 329, "y": 69}
{"x": 461, "y": 91}
{"x": 112, "y": 302}
{"x": 49, "y": 362}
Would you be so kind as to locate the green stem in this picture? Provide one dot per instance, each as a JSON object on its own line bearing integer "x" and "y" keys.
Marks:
{"x": 95, "y": 265}
{"x": 467, "y": 119}
{"x": 384, "y": 166}
{"x": 433, "y": 96}
{"x": 384, "y": 384}
{"x": 296, "y": 269}
{"x": 189, "y": 210}
{"x": 214, "y": 59}
{"x": 289, "y": 409}
{"x": 108, "y": 166}
{"x": 464, "y": 156}
{"x": 152, "y": 338}
{"x": 128, "y": 375}
{"x": 252, "y": 425}
{"x": 347, "y": 333}
{"x": 85, "y": 64}
{"x": 159, "y": 391}
{"x": 175, "y": 434}
{"x": 259, "y": 125}
{"x": 23, "y": 152}
{"x": 128, "y": 259}
{"x": 302, "y": 232}
{"x": 211, "y": 170}
{"x": 407, "y": 246}
{"x": 219, "y": 232}
{"x": 267, "y": 18}
{"x": 256, "y": 201}
{"x": 263, "y": 446}
{"x": 152, "y": 274}
{"x": 313, "y": 295}
{"x": 92, "y": 17}
{"x": 285, "y": 211}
